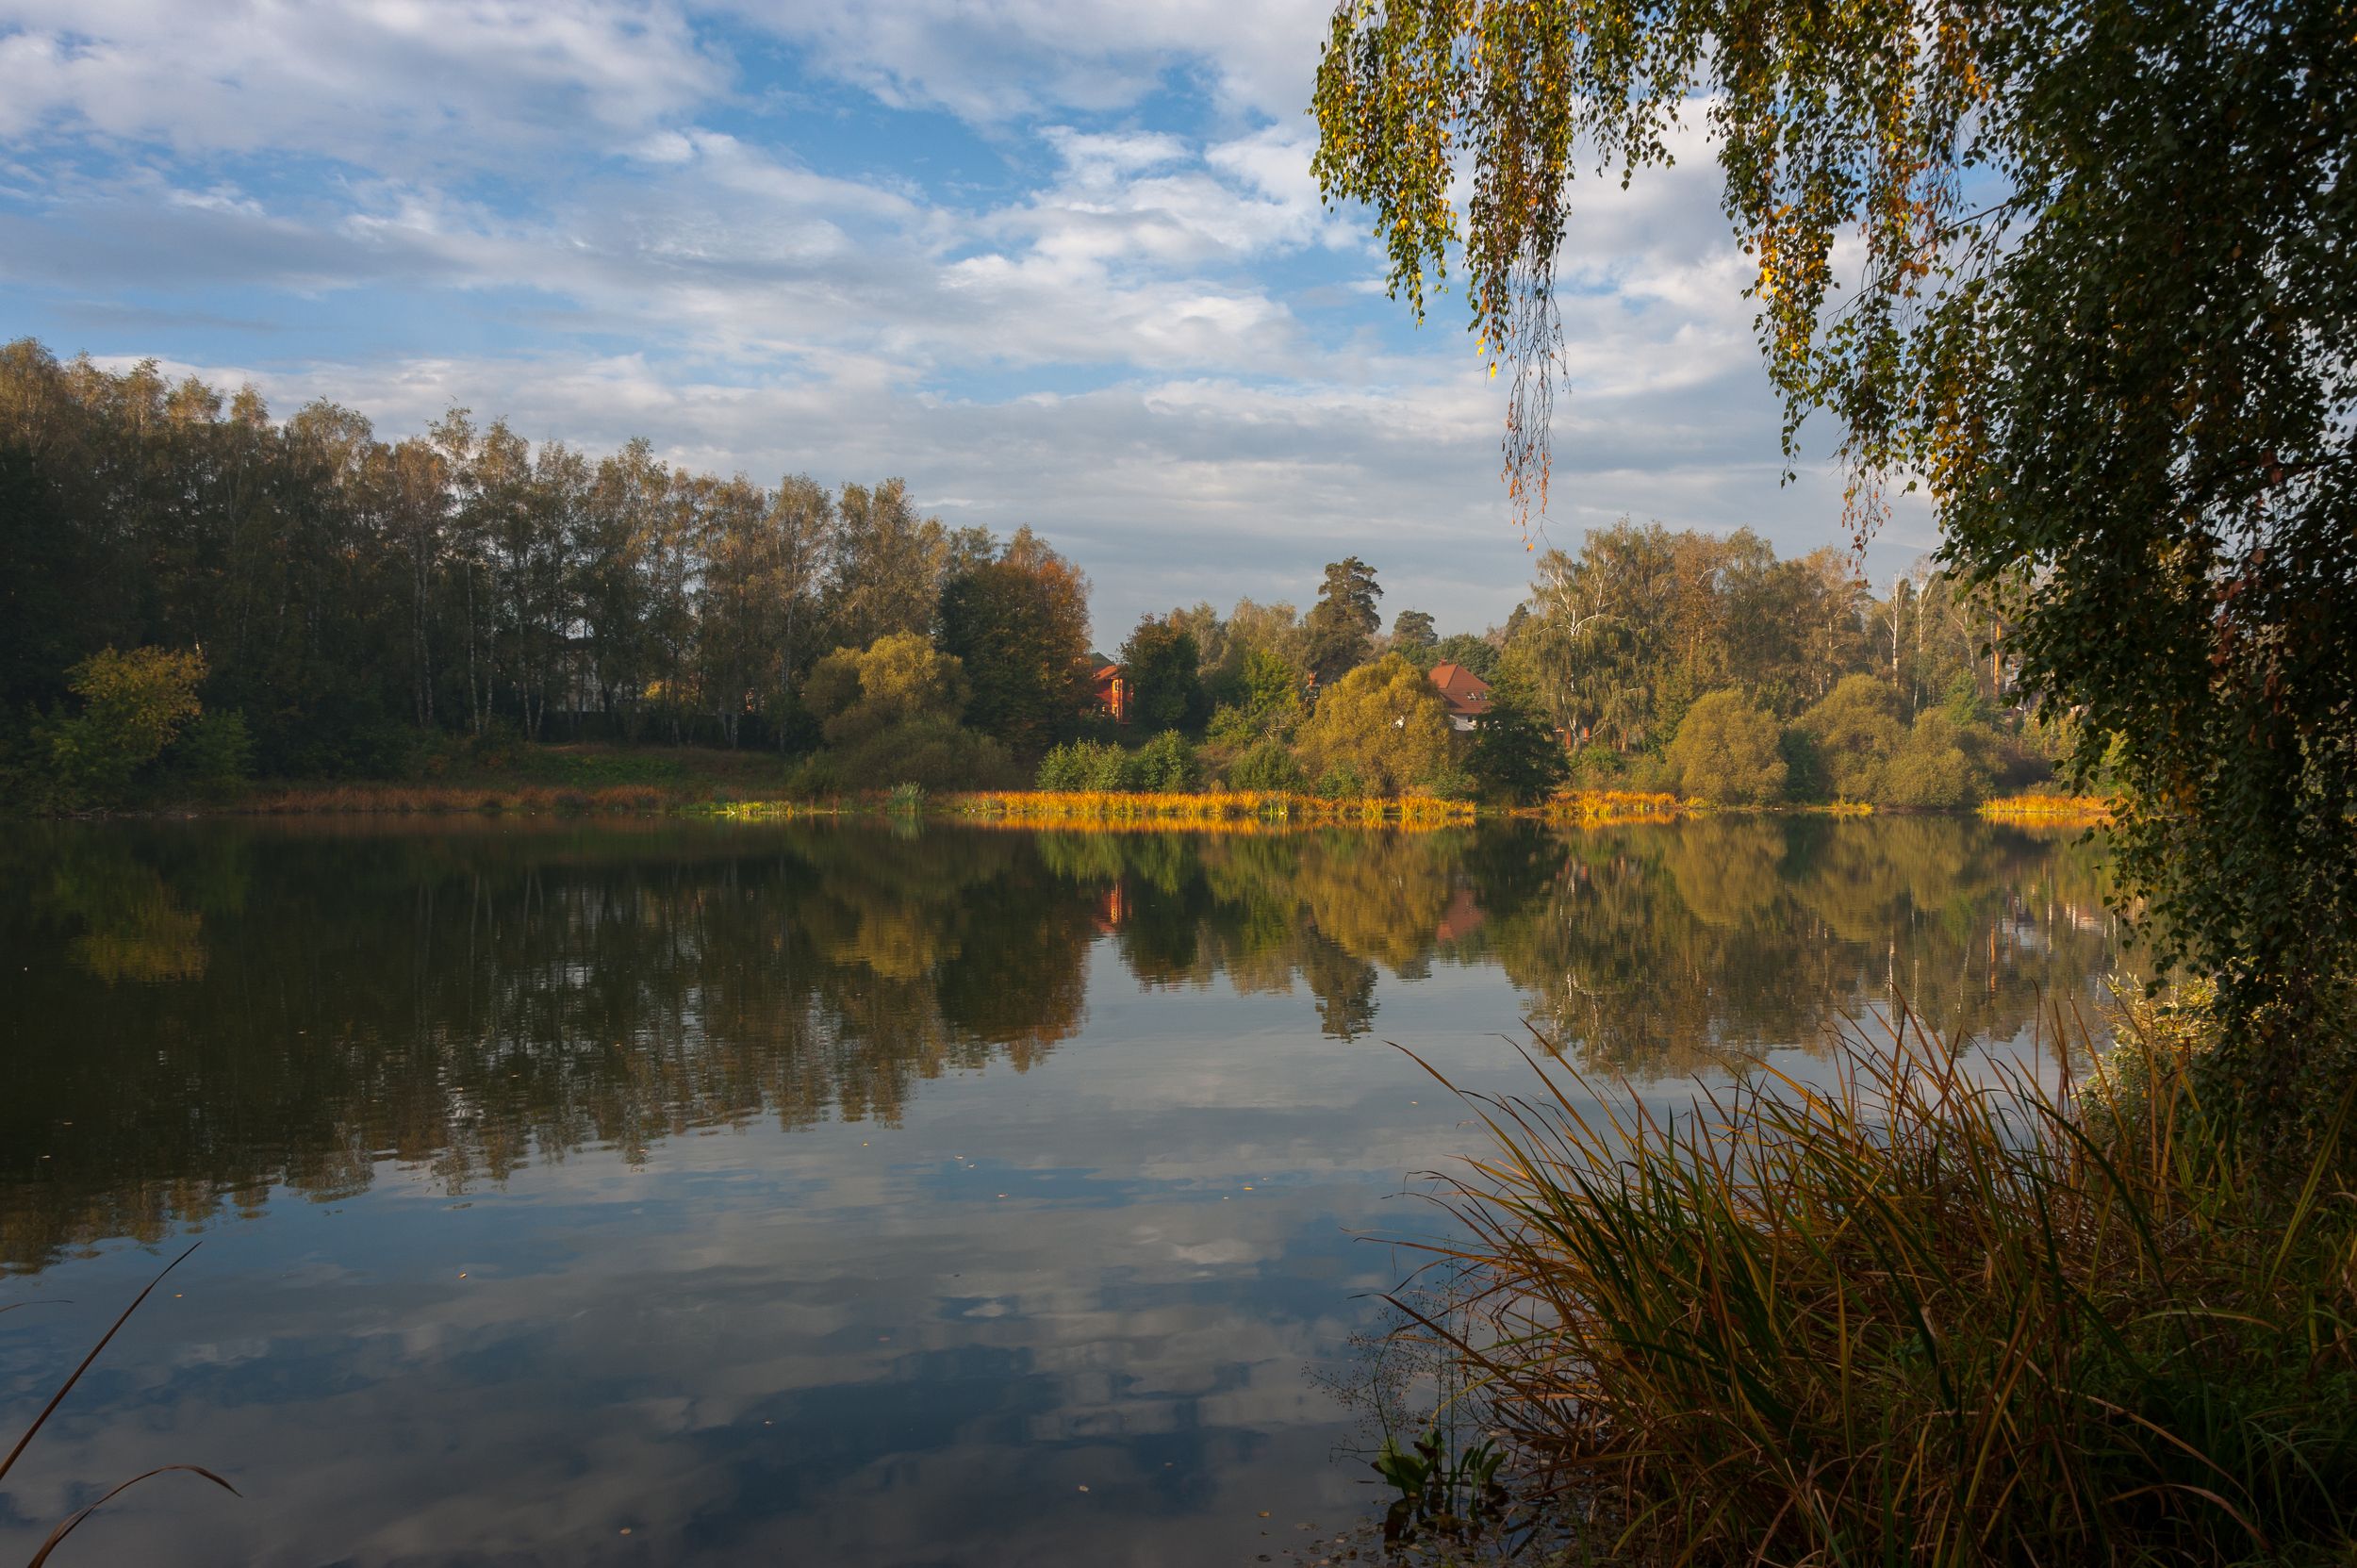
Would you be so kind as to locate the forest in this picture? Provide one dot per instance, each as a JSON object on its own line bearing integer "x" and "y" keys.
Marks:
{"x": 197, "y": 593}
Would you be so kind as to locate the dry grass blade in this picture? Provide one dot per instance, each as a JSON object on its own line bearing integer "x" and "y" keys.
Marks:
{"x": 67, "y": 1387}
{"x": 58, "y": 1535}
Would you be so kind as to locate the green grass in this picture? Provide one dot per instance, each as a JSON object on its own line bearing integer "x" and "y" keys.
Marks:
{"x": 1932, "y": 1312}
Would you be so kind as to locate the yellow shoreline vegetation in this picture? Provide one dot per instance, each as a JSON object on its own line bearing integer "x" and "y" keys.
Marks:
{"x": 1598, "y": 807}
{"x": 2090, "y": 809}
{"x": 1210, "y": 809}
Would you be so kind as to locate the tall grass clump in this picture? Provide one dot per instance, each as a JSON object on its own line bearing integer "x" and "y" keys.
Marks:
{"x": 1932, "y": 1310}
{"x": 2048, "y": 806}
{"x": 1599, "y": 807}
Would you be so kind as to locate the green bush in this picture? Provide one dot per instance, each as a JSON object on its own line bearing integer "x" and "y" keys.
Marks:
{"x": 132, "y": 705}
{"x": 1270, "y": 766}
{"x": 213, "y": 753}
{"x": 1231, "y": 726}
{"x": 1726, "y": 751}
{"x": 931, "y": 751}
{"x": 1340, "y": 782}
{"x": 1853, "y": 730}
{"x": 1516, "y": 756}
{"x": 1083, "y": 765}
{"x": 814, "y": 778}
{"x": 1167, "y": 765}
{"x": 1448, "y": 783}
{"x": 1933, "y": 768}
{"x": 1061, "y": 770}
{"x": 1595, "y": 766}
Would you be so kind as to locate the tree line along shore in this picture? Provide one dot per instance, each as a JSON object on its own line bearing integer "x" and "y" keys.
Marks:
{"x": 208, "y": 607}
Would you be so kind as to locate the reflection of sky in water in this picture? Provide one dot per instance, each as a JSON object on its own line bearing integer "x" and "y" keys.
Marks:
{"x": 769, "y": 1336}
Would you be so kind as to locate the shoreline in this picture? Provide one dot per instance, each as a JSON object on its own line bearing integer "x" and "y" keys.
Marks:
{"x": 731, "y": 799}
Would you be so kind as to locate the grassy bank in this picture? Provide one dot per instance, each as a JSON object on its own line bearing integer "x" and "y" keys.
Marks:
{"x": 1936, "y": 1312}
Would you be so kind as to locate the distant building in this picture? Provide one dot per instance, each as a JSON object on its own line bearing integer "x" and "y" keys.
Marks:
{"x": 1108, "y": 688}
{"x": 1466, "y": 694}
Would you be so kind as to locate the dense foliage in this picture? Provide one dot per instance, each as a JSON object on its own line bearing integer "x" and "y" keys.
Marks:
{"x": 1382, "y": 725}
{"x": 366, "y": 608}
{"x": 1019, "y": 625}
{"x": 352, "y": 597}
{"x": 2106, "y": 310}
{"x": 1344, "y": 617}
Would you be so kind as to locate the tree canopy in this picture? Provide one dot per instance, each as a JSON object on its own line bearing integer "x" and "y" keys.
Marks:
{"x": 1384, "y": 724}
{"x": 1726, "y": 752}
{"x": 1164, "y": 671}
{"x": 1344, "y": 617}
{"x": 1018, "y": 621}
{"x": 2102, "y": 311}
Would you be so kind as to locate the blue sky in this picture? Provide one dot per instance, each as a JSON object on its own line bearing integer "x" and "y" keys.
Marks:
{"x": 1055, "y": 263}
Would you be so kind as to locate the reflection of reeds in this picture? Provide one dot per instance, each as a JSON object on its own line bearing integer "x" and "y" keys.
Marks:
{"x": 2091, "y": 809}
{"x": 1936, "y": 1312}
{"x": 1211, "y": 810}
{"x": 1595, "y": 807}
{"x": 768, "y": 811}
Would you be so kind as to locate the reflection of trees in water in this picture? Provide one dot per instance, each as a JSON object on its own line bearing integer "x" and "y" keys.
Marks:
{"x": 463, "y": 1003}
{"x": 1658, "y": 949}
{"x": 1323, "y": 906}
{"x": 207, "y": 1013}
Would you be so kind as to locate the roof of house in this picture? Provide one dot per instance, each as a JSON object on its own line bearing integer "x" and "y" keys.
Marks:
{"x": 1463, "y": 690}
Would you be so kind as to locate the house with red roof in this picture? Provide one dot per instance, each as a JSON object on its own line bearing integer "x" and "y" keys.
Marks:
{"x": 1108, "y": 688}
{"x": 1466, "y": 694}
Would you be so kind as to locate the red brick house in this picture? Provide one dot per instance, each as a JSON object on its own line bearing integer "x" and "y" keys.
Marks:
{"x": 1108, "y": 688}
{"x": 1466, "y": 694}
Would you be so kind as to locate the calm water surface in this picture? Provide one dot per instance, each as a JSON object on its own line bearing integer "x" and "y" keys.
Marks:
{"x": 837, "y": 1193}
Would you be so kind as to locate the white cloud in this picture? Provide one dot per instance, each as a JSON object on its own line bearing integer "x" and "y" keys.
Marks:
{"x": 1120, "y": 349}
{"x": 391, "y": 83}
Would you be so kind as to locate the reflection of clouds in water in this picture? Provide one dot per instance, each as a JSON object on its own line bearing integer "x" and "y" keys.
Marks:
{"x": 1086, "y": 1340}
{"x": 470, "y": 1002}
{"x": 716, "y": 1126}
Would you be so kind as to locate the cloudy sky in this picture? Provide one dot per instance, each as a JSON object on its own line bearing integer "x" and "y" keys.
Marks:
{"x": 1054, "y": 261}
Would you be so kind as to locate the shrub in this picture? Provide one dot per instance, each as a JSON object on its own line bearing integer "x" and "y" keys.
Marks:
{"x": 1448, "y": 783}
{"x": 932, "y": 751}
{"x": 1230, "y": 726}
{"x": 1853, "y": 730}
{"x": 1383, "y": 723}
{"x": 1595, "y": 766}
{"x": 132, "y": 705}
{"x": 1341, "y": 783}
{"x": 813, "y": 777}
{"x": 1165, "y": 764}
{"x": 1725, "y": 752}
{"x": 1516, "y": 756}
{"x": 1064, "y": 769}
{"x": 857, "y": 694}
{"x": 1932, "y": 768}
{"x": 1086, "y": 765}
{"x": 214, "y": 751}
{"x": 1270, "y": 767}
{"x": 1270, "y": 693}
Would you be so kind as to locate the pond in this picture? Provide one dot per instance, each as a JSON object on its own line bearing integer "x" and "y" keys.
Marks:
{"x": 842, "y": 1193}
